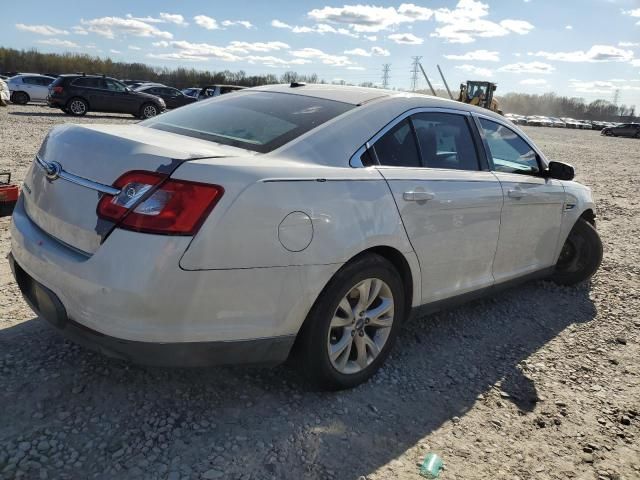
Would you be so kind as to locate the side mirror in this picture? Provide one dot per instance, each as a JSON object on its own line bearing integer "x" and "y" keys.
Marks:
{"x": 560, "y": 171}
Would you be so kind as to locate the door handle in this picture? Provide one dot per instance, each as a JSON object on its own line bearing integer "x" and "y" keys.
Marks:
{"x": 516, "y": 193}
{"x": 413, "y": 196}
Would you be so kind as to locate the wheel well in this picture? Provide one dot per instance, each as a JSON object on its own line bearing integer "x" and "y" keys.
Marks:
{"x": 589, "y": 216}
{"x": 79, "y": 98}
{"x": 398, "y": 260}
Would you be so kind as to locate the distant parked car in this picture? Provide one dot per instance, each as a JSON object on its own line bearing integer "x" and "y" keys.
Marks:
{"x": 29, "y": 87}
{"x": 624, "y": 130}
{"x": 78, "y": 94}
{"x": 557, "y": 122}
{"x": 191, "y": 92}
{"x": 517, "y": 119}
{"x": 173, "y": 97}
{"x": 216, "y": 90}
{"x": 539, "y": 121}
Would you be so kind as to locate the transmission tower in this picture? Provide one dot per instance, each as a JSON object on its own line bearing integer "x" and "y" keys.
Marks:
{"x": 385, "y": 75}
{"x": 616, "y": 96}
{"x": 414, "y": 73}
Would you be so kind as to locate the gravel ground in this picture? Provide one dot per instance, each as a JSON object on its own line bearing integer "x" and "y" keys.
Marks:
{"x": 540, "y": 382}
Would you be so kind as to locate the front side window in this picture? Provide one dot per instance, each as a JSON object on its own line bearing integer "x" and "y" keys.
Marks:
{"x": 30, "y": 80}
{"x": 445, "y": 141}
{"x": 510, "y": 153}
{"x": 258, "y": 121}
{"x": 114, "y": 86}
{"x": 397, "y": 147}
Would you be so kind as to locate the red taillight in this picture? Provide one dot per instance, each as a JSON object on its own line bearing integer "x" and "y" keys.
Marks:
{"x": 152, "y": 203}
{"x": 58, "y": 89}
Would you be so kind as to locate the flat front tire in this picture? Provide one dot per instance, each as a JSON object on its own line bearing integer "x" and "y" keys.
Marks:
{"x": 581, "y": 255}
{"x": 353, "y": 324}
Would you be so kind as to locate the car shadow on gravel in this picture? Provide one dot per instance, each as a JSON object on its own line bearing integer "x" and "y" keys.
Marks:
{"x": 137, "y": 422}
{"x": 62, "y": 114}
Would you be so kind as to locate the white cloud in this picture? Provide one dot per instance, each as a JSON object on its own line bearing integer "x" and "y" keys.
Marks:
{"x": 199, "y": 51}
{"x": 110, "y": 26}
{"x": 371, "y": 38}
{"x": 361, "y": 52}
{"x": 133, "y": 47}
{"x": 56, "y": 42}
{"x": 628, "y": 44}
{"x": 523, "y": 67}
{"x": 356, "y": 68}
{"x": 243, "y": 23}
{"x": 279, "y": 24}
{"x": 206, "y": 22}
{"x": 78, "y": 30}
{"x": 47, "y": 30}
{"x": 271, "y": 61}
{"x": 246, "y": 47}
{"x": 568, "y": 27}
{"x": 174, "y": 18}
{"x": 636, "y": 62}
{"x": 114, "y": 51}
{"x": 476, "y": 55}
{"x": 534, "y": 81}
{"x": 405, "y": 39}
{"x": 370, "y": 18}
{"x": 633, "y": 13}
{"x": 161, "y": 43}
{"x": 597, "y": 53}
{"x": 480, "y": 71}
{"x": 325, "y": 58}
{"x": 464, "y": 23}
{"x": 599, "y": 86}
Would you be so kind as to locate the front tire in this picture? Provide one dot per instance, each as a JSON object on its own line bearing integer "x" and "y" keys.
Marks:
{"x": 581, "y": 255}
{"x": 353, "y": 324}
{"x": 20, "y": 98}
{"x": 148, "y": 110}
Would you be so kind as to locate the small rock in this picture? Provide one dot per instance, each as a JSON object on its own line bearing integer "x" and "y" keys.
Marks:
{"x": 624, "y": 420}
{"x": 621, "y": 340}
{"x": 587, "y": 457}
{"x": 213, "y": 473}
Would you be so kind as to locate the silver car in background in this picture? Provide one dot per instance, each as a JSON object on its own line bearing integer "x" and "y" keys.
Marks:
{"x": 29, "y": 87}
{"x": 304, "y": 220}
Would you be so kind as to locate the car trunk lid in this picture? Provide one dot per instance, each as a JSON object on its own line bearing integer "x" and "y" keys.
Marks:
{"x": 77, "y": 165}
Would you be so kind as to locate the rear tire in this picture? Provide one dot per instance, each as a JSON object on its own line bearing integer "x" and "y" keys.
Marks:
{"x": 148, "y": 110}
{"x": 77, "y": 107}
{"x": 347, "y": 336}
{"x": 20, "y": 98}
{"x": 581, "y": 255}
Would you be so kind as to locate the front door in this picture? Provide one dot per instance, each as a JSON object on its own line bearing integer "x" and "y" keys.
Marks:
{"x": 532, "y": 212}
{"x": 449, "y": 206}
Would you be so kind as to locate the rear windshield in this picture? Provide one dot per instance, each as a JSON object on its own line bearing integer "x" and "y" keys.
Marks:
{"x": 258, "y": 121}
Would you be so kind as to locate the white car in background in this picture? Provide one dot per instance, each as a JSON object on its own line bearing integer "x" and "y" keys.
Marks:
{"x": 29, "y": 87}
{"x": 306, "y": 218}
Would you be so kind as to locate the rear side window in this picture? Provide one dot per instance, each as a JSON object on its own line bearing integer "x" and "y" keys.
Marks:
{"x": 31, "y": 80}
{"x": 510, "y": 153}
{"x": 258, "y": 121}
{"x": 445, "y": 141}
{"x": 397, "y": 147}
{"x": 88, "y": 82}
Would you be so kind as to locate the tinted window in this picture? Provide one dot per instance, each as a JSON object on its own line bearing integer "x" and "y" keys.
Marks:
{"x": 31, "y": 80}
{"x": 90, "y": 82}
{"x": 445, "y": 141}
{"x": 171, "y": 92}
{"x": 397, "y": 147}
{"x": 114, "y": 86}
{"x": 258, "y": 121}
{"x": 45, "y": 81}
{"x": 509, "y": 151}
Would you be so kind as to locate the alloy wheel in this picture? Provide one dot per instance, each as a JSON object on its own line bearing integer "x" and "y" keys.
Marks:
{"x": 78, "y": 107}
{"x": 360, "y": 326}
{"x": 149, "y": 111}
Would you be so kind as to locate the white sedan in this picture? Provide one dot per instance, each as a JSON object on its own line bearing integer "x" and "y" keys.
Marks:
{"x": 303, "y": 219}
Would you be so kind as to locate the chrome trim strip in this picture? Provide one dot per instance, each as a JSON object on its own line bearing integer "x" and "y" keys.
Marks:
{"x": 355, "y": 162}
{"x": 81, "y": 181}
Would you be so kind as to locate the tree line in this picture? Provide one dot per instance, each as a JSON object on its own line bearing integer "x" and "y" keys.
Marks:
{"x": 12, "y": 60}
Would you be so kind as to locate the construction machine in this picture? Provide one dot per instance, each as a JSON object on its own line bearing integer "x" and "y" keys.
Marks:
{"x": 474, "y": 92}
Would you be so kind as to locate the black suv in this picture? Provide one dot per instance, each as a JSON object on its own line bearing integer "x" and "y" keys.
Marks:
{"x": 79, "y": 94}
{"x": 624, "y": 130}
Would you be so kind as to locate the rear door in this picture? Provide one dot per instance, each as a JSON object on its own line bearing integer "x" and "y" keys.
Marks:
{"x": 532, "y": 212}
{"x": 448, "y": 200}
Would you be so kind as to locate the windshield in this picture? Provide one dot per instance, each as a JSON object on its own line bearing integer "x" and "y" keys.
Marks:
{"x": 258, "y": 121}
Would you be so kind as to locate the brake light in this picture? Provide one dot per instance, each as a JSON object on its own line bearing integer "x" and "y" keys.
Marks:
{"x": 58, "y": 89}
{"x": 153, "y": 203}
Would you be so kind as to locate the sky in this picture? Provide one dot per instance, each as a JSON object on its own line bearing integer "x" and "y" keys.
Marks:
{"x": 583, "y": 48}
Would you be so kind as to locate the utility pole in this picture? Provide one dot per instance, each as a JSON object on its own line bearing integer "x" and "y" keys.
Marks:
{"x": 385, "y": 75}
{"x": 414, "y": 73}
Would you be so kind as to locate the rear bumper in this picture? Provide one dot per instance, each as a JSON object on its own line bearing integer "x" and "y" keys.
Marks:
{"x": 184, "y": 354}
{"x": 54, "y": 102}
